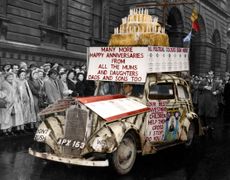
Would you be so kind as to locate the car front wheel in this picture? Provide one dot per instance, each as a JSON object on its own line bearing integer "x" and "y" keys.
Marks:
{"x": 124, "y": 157}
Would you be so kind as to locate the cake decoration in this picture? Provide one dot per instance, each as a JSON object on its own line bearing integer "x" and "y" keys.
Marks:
{"x": 139, "y": 29}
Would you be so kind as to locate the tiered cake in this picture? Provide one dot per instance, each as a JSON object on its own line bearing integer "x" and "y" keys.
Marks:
{"x": 139, "y": 29}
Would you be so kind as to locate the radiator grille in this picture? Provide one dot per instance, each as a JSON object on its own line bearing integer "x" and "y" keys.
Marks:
{"x": 75, "y": 128}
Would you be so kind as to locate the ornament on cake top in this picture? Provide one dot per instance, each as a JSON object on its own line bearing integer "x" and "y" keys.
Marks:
{"x": 139, "y": 29}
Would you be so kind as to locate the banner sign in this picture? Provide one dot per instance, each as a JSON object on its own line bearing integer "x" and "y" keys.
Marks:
{"x": 131, "y": 64}
{"x": 164, "y": 124}
{"x": 168, "y": 59}
{"x": 156, "y": 120}
{"x": 120, "y": 64}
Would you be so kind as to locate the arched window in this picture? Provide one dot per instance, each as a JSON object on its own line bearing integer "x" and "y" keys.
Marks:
{"x": 175, "y": 29}
{"x": 215, "y": 61}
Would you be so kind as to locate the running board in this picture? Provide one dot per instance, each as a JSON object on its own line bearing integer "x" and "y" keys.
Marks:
{"x": 161, "y": 147}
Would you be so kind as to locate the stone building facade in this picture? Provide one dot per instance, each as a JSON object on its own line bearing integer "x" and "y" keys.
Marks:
{"x": 37, "y": 31}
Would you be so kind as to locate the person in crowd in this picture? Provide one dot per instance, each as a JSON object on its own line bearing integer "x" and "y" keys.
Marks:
{"x": 71, "y": 82}
{"x": 33, "y": 66}
{"x": 13, "y": 112}
{"x": 220, "y": 95}
{"x": 55, "y": 66}
{"x": 80, "y": 85}
{"x": 77, "y": 69}
{"x": 41, "y": 75}
{"x": 3, "y": 95}
{"x": 6, "y": 68}
{"x": 36, "y": 88}
{"x": 27, "y": 100}
{"x": 84, "y": 69}
{"x": 195, "y": 91}
{"x": 52, "y": 88}
{"x": 23, "y": 65}
{"x": 208, "y": 105}
{"x": 227, "y": 99}
{"x": 63, "y": 85}
{"x": 46, "y": 68}
{"x": 61, "y": 68}
{"x": 15, "y": 68}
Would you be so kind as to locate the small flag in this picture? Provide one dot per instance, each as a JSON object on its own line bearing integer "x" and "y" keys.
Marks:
{"x": 194, "y": 19}
{"x": 194, "y": 15}
{"x": 188, "y": 37}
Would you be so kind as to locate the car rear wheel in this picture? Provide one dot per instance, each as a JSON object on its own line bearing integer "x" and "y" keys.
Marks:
{"x": 124, "y": 157}
{"x": 190, "y": 135}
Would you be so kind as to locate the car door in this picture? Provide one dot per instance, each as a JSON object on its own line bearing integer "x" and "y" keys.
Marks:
{"x": 162, "y": 125}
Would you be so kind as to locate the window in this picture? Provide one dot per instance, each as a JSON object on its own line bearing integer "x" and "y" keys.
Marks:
{"x": 3, "y": 19}
{"x": 100, "y": 29}
{"x": 97, "y": 19}
{"x": 182, "y": 92}
{"x": 51, "y": 13}
{"x": 53, "y": 23}
{"x": 161, "y": 91}
{"x": 2, "y": 7}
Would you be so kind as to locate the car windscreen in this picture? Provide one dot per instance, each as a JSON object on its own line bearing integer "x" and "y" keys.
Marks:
{"x": 129, "y": 89}
{"x": 161, "y": 91}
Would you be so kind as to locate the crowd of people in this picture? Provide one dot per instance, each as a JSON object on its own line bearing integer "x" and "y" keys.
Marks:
{"x": 25, "y": 90}
{"x": 211, "y": 97}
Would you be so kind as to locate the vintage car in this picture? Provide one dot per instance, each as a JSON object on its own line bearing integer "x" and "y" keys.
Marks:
{"x": 110, "y": 128}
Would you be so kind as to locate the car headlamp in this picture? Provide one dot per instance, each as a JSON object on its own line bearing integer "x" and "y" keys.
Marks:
{"x": 99, "y": 144}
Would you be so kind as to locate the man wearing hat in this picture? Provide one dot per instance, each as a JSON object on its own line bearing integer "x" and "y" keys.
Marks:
{"x": 52, "y": 88}
{"x": 208, "y": 101}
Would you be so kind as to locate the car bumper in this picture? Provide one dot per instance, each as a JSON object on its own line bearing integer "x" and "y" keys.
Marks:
{"x": 66, "y": 160}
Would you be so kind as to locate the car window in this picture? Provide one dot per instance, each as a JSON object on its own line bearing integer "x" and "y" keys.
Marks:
{"x": 161, "y": 91}
{"x": 109, "y": 88}
{"x": 182, "y": 92}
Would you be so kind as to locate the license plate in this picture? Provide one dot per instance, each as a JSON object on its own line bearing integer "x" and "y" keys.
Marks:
{"x": 41, "y": 135}
{"x": 71, "y": 143}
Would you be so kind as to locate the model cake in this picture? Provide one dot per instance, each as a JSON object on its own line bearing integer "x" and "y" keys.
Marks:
{"x": 139, "y": 29}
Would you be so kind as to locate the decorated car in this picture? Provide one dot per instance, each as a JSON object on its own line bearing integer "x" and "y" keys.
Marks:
{"x": 140, "y": 104}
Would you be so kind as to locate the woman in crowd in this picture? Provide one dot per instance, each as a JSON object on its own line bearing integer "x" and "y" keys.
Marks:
{"x": 13, "y": 112}
{"x": 3, "y": 95}
{"x": 71, "y": 82}
{"x": 36, "y": 88}
{"x": 80, "y": 85}
{"x": 27, "y": 101}
{"x": 63, "y": 85}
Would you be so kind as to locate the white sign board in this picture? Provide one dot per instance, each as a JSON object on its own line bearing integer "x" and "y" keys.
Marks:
{"x": 131, "y": 64}
{"x": 117, "y": 108}
{"x": 168, "y": 59}
{"x": 120, "y": 64}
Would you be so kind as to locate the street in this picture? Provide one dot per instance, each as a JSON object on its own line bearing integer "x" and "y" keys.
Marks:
{"x": 209, "y": 159}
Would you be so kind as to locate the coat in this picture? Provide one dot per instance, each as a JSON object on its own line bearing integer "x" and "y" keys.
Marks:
{"x": 27, "y": 101}
{"x": 208, "y": 101}
{"x": 13, "y": 112}
{"x": 72, "y": 86}
{"x": 35, "y": 88}
{"x": 52, "y": 90}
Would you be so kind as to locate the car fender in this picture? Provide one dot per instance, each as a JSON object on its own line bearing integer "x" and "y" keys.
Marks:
{"x": 108, "y": 138}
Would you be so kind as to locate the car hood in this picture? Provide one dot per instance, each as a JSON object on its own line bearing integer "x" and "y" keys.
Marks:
{"x": 113, "y": 107}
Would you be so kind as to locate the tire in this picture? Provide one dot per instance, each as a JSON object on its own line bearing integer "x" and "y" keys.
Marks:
{"x": 124, "y": 157}
{"x": 190, "y": 135}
